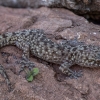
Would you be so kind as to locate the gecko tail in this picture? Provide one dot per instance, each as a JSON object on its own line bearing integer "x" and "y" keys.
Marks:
{"x": 4, "y": 74}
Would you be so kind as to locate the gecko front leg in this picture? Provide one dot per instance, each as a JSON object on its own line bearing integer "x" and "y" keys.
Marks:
{"x": 25, "y": 62}
{"x": 65, "y": 68}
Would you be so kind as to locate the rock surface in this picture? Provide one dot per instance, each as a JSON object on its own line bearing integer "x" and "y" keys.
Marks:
{"x": 58, "y": 24}
{"x": 86, "y": 8}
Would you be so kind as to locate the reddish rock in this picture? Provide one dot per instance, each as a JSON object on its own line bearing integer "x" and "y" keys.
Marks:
{"x": 86, "y": 8}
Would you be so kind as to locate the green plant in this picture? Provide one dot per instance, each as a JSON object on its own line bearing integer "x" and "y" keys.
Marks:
{"x": 31, "y": 74}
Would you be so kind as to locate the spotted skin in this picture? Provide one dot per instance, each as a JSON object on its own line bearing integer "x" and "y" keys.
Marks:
{"x": 66, "y": 54}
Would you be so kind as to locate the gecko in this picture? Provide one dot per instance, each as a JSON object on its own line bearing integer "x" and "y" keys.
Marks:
{"x": 66, "y": 54}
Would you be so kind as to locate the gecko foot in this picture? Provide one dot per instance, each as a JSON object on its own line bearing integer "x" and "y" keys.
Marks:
{"x": 70, "y": 73}
{"x": 25, "y": 63}
{"x": 75, "y": 75}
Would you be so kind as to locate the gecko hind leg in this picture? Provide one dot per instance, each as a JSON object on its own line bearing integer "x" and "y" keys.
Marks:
{"x": 65, "y": 68}
{"x": 4, "y": 74}
{"x": 25, "y": 63}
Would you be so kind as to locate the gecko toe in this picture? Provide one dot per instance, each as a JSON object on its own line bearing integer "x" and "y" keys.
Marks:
{"x": 76, "y": 75}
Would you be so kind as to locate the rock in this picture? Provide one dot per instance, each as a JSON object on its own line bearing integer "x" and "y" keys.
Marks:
{"x": 56, "y": 22}
{"x": 86, "y": 8}
{"x": 22, "y": 3}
